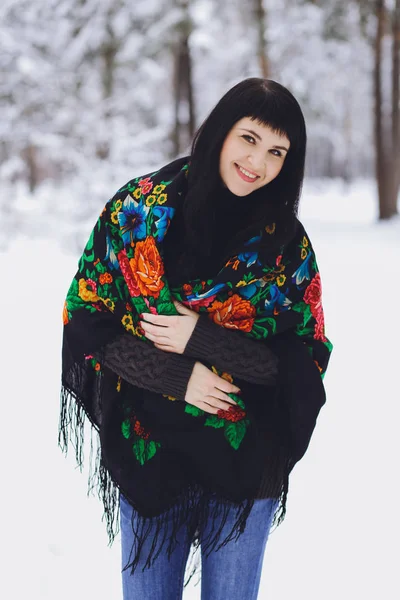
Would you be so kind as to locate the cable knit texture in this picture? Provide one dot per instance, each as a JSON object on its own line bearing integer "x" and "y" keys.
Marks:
{"x": 231, "y": 351}
{"x": 146, "y": 366}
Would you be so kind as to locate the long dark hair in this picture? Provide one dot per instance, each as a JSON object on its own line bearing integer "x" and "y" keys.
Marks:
{"x": 268, "y": 103}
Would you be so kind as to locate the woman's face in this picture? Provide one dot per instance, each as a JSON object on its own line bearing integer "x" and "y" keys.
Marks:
{"x": 252, "y": 155}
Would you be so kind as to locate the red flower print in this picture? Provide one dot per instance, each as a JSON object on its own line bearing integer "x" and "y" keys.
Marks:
{"x": 105, "y": 278}
{"x": 234, "y": 313}
{"x": 195, "y": 304}
{"x": 146, "y": 185}
{"x": 187, "y": 289}
{"x": 139, "y": 429}
{"x": 313, "y": 297}
{"x": 234, "y": 414}
{"x": 127, "y": 273}
{"x": 152, "y": 309}
{"x": 148, "y": 268}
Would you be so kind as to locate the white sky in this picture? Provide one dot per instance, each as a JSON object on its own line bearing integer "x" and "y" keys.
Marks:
{"x": 340, "y": 536}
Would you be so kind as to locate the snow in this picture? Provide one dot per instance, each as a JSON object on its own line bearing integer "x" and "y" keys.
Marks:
{"x": 339, "y": 538}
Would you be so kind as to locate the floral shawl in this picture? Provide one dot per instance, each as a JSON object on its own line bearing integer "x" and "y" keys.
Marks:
{"x": 121, "y": 275}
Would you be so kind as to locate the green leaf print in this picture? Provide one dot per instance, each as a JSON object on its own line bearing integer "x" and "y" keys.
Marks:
{"x": 239, "y": 401}
{"x": 139, "y": 304}
{"x": 214, "y": 421}
{"x": 166, "y": 308}
{"x": 235, "y": 432}
{"x": 121, "y": 288}
{"x": 139, "y": 449}
{"x": 89, "y": 245}
{"x": 165, "y": 295}
{"x": 144, "y": 451}
{"x": 126, "y": 429}
{"x": 307, "y": 315}
{"x": 152, "y": 448}
{"x": 305, "y": 309}
{"x": 193, "y": 410}
{"x": 259, "y": 332}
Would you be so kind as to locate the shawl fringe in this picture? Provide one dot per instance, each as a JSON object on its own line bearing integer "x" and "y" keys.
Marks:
{"x": 192, "y": 509}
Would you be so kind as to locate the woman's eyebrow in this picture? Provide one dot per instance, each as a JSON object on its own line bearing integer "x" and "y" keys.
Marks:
{"x": 259, "y": 138}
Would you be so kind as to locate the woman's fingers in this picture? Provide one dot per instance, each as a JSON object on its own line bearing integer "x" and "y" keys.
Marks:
{"x": 225, "y": 386}
{"x": 213, "y": 404}
{"x": 222, "y": 396}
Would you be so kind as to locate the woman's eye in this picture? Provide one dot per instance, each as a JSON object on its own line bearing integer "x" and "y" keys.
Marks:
{"x": 278, "y": 152}
{"x": 249, "y": 138}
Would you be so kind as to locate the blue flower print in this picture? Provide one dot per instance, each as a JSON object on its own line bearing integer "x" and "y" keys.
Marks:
{"x": 132, "y": 220}
{"x": 164, "y": 215}
{"x": 110, "y": 256}
{"x": 277, "y": 301}
{"x": 303, "y": 272}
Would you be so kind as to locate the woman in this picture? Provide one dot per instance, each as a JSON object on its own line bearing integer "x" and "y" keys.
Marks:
{"x": 194, "y": 342}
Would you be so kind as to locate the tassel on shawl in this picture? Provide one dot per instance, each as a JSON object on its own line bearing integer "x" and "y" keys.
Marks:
{"x": 73, "y": 419}
{"x": 192, "y": 509}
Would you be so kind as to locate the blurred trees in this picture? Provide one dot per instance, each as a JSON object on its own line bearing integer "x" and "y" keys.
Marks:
{"x": 97, "y": 91}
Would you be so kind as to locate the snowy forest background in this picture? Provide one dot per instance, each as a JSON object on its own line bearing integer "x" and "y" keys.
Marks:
{"x": 93, "y": 93}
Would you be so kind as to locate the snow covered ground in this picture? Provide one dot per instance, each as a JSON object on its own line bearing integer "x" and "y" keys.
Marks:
{"x": 340, "y": 535}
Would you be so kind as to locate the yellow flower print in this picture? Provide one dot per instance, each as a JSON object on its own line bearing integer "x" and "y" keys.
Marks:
{"x": 305, "y": 242}
{"x": 223, "y": 375}
{"x": 242, "y": 282}
{"x": 138, "y": 332}
{"x": 119, "y": 384}
{"x": 303, "y": 253}
{"x": 227, "y": 377}
{"x": 65, "y": 314}
{"x": 281, "y": 280}
{"x": 87, "y": 290}
{"x": 270, "y": 228}
{"x": 162, "y": 198}
{"x": 137, "y": 193}
{"x": 150, "y": 200}
{"x": 159, "y": 188}
{"x": 114, "y": 217}
{"x": 118, "y": 205}
{"x": 127, "y": 322}
{"x": 169, "y": 397}
{"x": 109, "y": 303}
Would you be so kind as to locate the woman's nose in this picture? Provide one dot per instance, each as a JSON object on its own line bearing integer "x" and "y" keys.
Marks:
{"x": 257, "y": 162}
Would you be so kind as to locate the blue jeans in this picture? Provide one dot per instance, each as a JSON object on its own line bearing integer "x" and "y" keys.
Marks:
{"x": 233, "y": 571}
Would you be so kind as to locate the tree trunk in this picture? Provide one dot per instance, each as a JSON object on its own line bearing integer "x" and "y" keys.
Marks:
{"x": 382, "y": 167}
{"x": 184, "y": 109}
{"x": 108, "y": 53}
{"x": 262, "y": 46}
{"x": 395, "y": 104}
{"x": 29, "y": 156}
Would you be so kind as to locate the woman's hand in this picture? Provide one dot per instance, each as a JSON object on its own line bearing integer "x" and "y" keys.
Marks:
{"x": 208, "y": 391}
{"x": 170, "y": 332}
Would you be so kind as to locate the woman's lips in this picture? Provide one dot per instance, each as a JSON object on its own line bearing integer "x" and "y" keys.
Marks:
{"x": 244, "y": 177}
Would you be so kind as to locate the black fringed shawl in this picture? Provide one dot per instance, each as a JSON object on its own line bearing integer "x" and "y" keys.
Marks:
{"x": 160, "y": 451}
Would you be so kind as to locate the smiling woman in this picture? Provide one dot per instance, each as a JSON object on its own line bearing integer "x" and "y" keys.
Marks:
{"x": 252, "y": 153}
{"x": 194, "y": 341}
